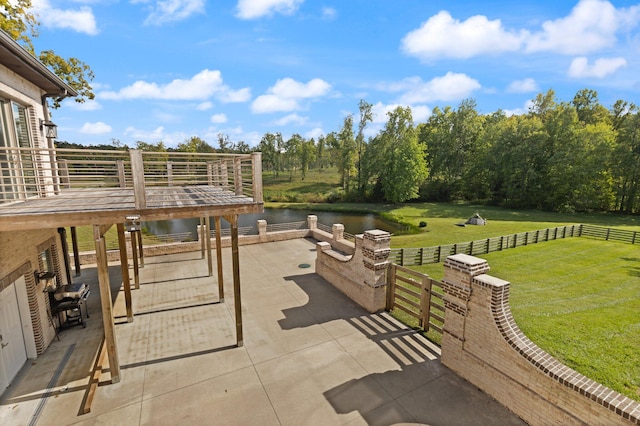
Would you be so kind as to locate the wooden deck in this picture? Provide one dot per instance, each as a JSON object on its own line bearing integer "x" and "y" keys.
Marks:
{"x": 103, "y": 206}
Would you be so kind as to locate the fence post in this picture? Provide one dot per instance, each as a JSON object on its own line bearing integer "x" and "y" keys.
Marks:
{"x": 608, "y": 231}
{"x": 439, "y": 253}
{"x": 169, "y": 173}
{"x": 256, "y": 176}
{"x": 471, "y": 248}
{"x": 488, "y": 245}
{"x": 401, "y": 258}
{"x": 391, "y": 285}
{"x": 425, "y": 302}
{"x": 501, "y": 241}
{"x": 421, "y": 256}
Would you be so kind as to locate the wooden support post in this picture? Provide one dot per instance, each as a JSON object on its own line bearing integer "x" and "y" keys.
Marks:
{"x": 235, "y": 258}
{"x": 140, "y": 248}
{"x": 209, "y": 257}
{"x": 219, "y": 258}
{"x": 134, "y": 256}
{"x": 107, "y": 308}
{"x": 76, "y": 252}
{"x": 256, "y": 176}
{"x": 124, "y": 266}
{"x": 137, "y": 174}
{"x": 202, "y": 237}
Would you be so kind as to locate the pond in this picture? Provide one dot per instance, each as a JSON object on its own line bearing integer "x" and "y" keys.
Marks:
{"x": 353, "y": 223}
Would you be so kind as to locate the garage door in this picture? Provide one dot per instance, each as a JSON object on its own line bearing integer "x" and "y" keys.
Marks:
{"x": 13, "y": 353}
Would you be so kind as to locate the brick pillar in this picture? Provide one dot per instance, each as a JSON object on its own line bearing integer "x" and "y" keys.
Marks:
{"x": 312, "y": 222}
{"x": 376, "y": 246}
{"x": 338, "y": 231}
{"x": 459, "y": 271}
{"x": 262, "y": 230}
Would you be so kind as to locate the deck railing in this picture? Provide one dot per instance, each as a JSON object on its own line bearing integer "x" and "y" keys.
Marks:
{"x": 27, "y": 173}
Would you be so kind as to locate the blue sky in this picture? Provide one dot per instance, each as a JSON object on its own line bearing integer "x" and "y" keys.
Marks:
{"x": 168, "y": 70}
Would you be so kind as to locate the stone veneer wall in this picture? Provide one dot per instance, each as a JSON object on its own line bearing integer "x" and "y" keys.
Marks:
{"x": 482, "y": 343}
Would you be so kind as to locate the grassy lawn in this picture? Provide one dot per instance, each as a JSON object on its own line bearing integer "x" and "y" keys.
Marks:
{"x": 579, "y": 299}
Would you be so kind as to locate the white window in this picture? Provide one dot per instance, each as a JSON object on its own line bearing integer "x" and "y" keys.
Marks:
{"x": 17, "y": 167}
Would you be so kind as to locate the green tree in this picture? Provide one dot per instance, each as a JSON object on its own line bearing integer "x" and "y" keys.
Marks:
{"x": 366, "y": 116}
{"x": 345, "y": 145}
{"x": 307, "y": 155}
{"x": 195, "y": 144}
{"x": 18, "y": 20}
{"x": 397, "y": 158}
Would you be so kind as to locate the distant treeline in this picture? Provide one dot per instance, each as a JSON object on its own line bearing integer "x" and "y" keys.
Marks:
{"x": 560, "y": 156}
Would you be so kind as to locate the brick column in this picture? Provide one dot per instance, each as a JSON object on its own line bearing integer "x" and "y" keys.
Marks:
{"x": 459, "y": 271}
{"x": 338, "y": 231}
{"x": 262, "y": 230}
{"x": 376, "y": 246}
{"x": 312, "y": 222}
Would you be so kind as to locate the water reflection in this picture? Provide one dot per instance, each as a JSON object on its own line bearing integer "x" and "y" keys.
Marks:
{"x": 353, "y": 223}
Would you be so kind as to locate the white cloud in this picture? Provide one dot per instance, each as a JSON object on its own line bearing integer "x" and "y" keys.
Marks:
{"x": 601, "y": 68}
{"x": 449, "y": 87}
{"x": 252, "y": 9}
{"x": 152, "y": 136}
{"x": 98, "y": 128}
{"x": 81, "y": 20}
{"x": 314, "y": 133}
{"x": 329, "y": 13}
{"x": 292, "y": 119}
{"x": 443, "y": 36}
{"x": 204, "y": 106}
{"x": 526, "y": 85}
{"x": 165, "y": 11}
{"x": 219, "y": 118}
{"x": 88, "y": 105}
{"x": 287, "y": 93}
{"x": 420, "y": 113}
{"x": 592, "y": 25}
{"x": 203, "y": 85}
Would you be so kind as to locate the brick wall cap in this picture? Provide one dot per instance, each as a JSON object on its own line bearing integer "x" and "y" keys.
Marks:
{"x": 467, "y": 259}
{"x": 490, "y": 280}
{"x": 377, "y": 233}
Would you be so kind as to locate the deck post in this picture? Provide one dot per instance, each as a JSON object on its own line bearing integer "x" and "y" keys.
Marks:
{"x": 201, "y": 236}
{"x": 208, "y": 238}
{"x": 140, "y": 248}
{"x": 256, "y": 170}
{"x": 107, "y": 307}
{"x": 219, "y": 258}
{"x": 124, "y": 266}
{"x": 137, "y": 174}
{"x": 134, "y": 256}
{"x": 235, "y": 257}
{"x": 76, "y": 252}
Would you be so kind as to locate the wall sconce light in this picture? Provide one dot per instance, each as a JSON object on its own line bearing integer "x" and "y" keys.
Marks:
{"x": 50, "y": 129}
{"x": 48, "y": 279}
{"x": 132, "y": 223}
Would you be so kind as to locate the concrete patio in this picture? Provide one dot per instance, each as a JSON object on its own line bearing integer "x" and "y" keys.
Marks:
{"x": 310, "y": 355}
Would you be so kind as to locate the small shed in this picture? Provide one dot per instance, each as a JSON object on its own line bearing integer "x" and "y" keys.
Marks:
{"x": 476, "y": 219}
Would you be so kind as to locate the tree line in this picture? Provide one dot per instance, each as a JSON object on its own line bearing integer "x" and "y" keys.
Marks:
{"x": 575, "y": 156}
